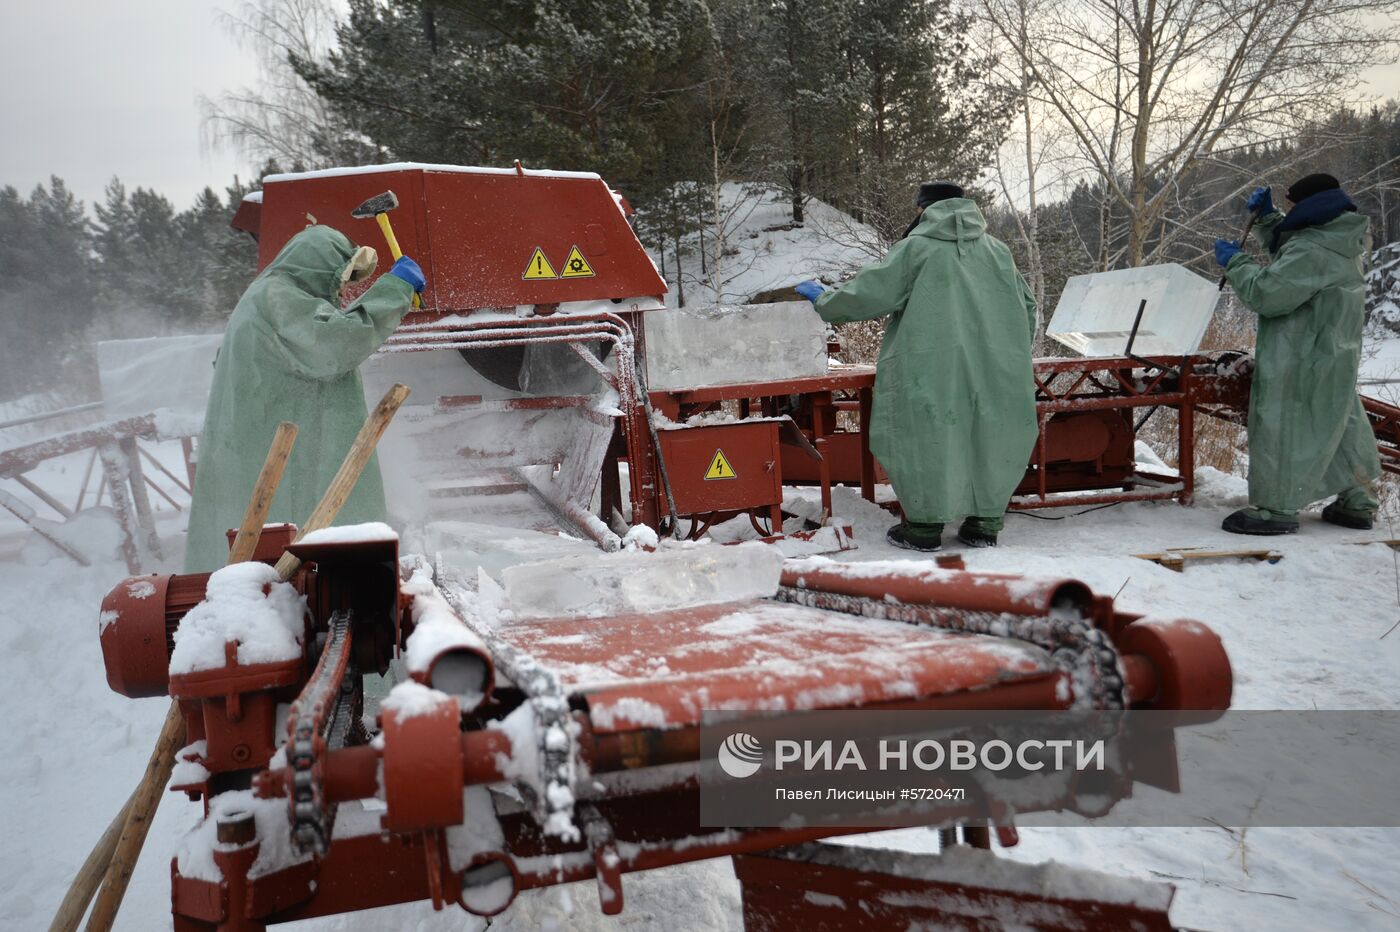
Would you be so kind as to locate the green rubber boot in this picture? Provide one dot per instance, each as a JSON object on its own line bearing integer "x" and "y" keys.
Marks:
{"x": 980, "y": 532}
{"x": 1261, "y": 522}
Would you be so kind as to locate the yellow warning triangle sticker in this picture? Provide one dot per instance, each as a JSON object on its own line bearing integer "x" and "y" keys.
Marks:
{"x": 538, "y": 267}
{"x": 576, "y": 266}
{"x": 720, "y": 468}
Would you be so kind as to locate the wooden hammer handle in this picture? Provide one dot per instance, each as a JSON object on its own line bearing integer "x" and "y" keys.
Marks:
{"x": 349, "y": 473}
{"x": 1244, "y": 244}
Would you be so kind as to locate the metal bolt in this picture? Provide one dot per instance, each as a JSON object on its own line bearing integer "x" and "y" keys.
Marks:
{"x": 241, "y": 753}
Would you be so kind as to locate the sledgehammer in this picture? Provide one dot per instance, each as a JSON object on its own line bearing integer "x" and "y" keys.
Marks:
{"x": 1244, "y": 241}
{"x": 378, "y": 207}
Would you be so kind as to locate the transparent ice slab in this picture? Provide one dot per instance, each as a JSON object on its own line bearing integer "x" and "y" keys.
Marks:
{"x": 634, "y": 582}
{"x": 691, "y": 347}
{"x": 143, "y": 375}
{"x": 1094, "y": 316}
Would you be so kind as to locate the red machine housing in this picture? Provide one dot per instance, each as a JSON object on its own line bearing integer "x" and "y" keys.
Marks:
{"x": 474, "y": 231}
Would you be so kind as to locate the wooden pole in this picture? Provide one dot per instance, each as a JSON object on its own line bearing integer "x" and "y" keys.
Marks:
{"x": 128, "y": 848}
{"x": 87, "y": 474}
{"x": 142, "y": 811}
{"x": 161, "y": 466}
{"x": 112, "y": 862}
{"x": 75, "y": 903}
{"x": 140, "y": 501}
{"x": 349, "y": 473}
{"x": 116, "y": 484}
{"x": 264, "y": 490}
{"x": 26, "y": 514}
{"x": 44, "y": 497}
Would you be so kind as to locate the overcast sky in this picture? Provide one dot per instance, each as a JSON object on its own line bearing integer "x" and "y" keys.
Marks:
{"x": 93, "y": 88}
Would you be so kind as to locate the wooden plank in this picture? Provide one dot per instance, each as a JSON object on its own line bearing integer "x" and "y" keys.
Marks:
{"x": 1177, "y": 558}
{"x": 1391, "y": 542}
{"x": 16, "y": 460}
{"x": 161, "y": 466}
{"x": 87, "y": 475}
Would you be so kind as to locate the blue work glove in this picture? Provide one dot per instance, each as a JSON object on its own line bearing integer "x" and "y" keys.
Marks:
{"x": 409, "y": 271}
{"x": 1225, "y": 250}
{"x": 1261, "y": 201}
{"x": 810, "y": 290}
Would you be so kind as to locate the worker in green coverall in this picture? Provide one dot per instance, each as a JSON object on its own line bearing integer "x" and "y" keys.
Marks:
{"x": 292, "y": 353}
{"x": 954, "y": 414}
{"x": 1308, "y": 434}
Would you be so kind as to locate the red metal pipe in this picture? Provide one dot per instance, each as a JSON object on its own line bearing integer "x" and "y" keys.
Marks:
{"x": 1102, "y": 402}
{"x": 350, "y": 773}
{"x": 476, "y": 883}
{"x": 461, "y": 672}
{"x": 984, "y": 592}
{"x": 546, "y": 871}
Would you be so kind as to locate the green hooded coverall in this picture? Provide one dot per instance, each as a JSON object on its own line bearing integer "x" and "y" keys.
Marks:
{"x": 1308, "y": 434}
{"x": 954, "y": 415}
{"x": 290, "y": 353}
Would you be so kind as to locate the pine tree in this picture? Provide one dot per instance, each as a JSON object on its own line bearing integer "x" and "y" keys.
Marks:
{"x": 799, "y": 90}
{"x": 924, "y": 111}
{"x": 48, "y": 298}
{"x": 571, "y": 84}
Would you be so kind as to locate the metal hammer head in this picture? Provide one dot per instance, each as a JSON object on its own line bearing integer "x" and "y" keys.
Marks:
{"x": 379, "y": 204}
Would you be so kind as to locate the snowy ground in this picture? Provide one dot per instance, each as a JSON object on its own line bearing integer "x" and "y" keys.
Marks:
{"x": 1303, "y": 633}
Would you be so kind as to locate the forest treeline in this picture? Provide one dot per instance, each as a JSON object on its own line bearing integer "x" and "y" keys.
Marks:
{"x": 1081, "y": 159}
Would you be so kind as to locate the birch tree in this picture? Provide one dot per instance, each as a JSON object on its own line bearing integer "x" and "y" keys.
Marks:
{"x": 281, "y": 119}
{"x": 1155, "y": 92}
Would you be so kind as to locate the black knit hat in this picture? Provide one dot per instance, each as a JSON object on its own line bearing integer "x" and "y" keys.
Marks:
{"x": 1304, "y": 188}
{"x": 931, "y": 192}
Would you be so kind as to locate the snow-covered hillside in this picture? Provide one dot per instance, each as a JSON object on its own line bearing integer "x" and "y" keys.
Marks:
{"x": 1383, "y": 291}
{"x": 754, "y": 250}
{"x": 1380, "y": 360}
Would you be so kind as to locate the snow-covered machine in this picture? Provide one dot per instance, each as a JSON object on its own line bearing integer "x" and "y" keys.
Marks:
{"x": 550, "y": 728}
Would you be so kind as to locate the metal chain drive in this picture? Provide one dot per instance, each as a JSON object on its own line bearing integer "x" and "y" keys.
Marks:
{"x": 549, "y": 702}
{"x": 1075, "y": 646}
{"x": 321, "y": 717}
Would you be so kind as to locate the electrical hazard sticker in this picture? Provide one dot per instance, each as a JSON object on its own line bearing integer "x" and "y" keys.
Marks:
{"x": 576, "y": 266}
{"x": 720, "y": 468}
{"x": 538, "y": 267}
